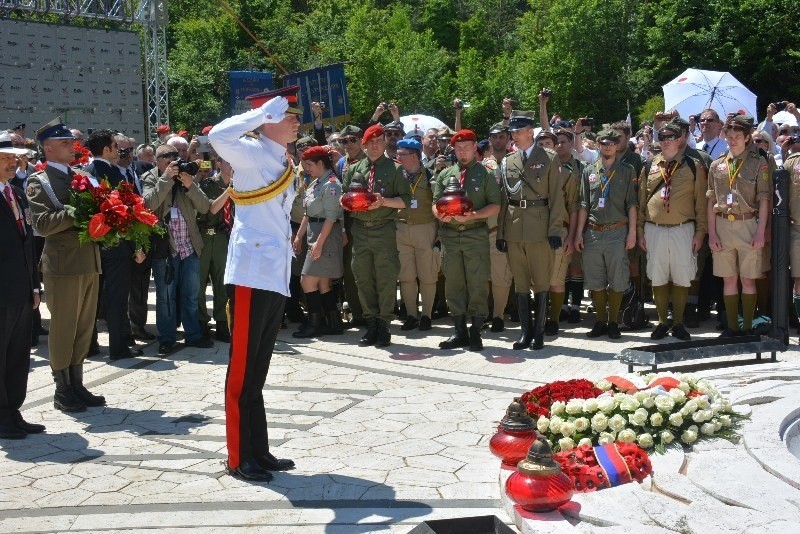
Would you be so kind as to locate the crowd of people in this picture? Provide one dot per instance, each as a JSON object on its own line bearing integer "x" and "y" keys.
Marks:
{"x": 677, "y": 211}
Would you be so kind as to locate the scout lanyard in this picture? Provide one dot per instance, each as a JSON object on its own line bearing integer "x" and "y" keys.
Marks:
{"x": 461, "y": 177}
{"x": 732, "y": 177}
{"x": 604, "y": 184}
{"x": 410, "y": 177}
{"x": 667, "y": 178}
{"x": 371, "y": 178}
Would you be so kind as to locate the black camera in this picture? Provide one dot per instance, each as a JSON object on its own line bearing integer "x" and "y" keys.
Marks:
{"x": 451, "y": 159}
{"x": 189, "y": 167}
{"x": 547, "y": 92}
{"x": 588, "y": 121}
{"x": 794, "y": 138}
{"x": 780, "y": 106}
{"x": 386, "y": 105}
{"x": 458, "y": 104}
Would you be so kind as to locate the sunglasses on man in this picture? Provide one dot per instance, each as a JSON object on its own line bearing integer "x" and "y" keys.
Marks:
{"x": 347, "y": 140}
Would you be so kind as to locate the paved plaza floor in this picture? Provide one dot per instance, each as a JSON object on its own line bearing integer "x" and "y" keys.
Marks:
{"x": 383, "y": 438}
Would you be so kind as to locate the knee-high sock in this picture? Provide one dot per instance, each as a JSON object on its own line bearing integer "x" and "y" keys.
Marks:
{"x": 600, "y": 299}
{"x": 614, "y": 303}
{"x": 661, "y": 296}
{"x": 556, "y": 301}
{"x": 748, "y": 310}
{"x": 314, "y": 301}
{"x": 576, "y": 294}
{"x": 732, "y": 311}
{"x": 679, "y": 296}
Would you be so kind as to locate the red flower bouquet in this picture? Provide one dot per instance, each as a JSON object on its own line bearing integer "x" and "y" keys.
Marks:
{"x": 539, "y": 400}
{"x": 593, "y": 468}
{"x": 82, "y": 155}
{"x": 108, "y": 216}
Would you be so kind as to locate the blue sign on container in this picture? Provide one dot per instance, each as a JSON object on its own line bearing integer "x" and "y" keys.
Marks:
{"x": 322, "y": 84}
{"x": 245, "y": 83}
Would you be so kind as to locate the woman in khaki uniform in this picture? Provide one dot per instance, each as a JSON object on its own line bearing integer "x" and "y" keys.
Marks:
{"x": 323, "y": 261}
{"x": 739, "y": 193}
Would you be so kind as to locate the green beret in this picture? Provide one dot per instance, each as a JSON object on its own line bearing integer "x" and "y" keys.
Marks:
{"x": 742, "y": 121}
{"x": 306, "y": 141}
{"x": 671, "y": 128}
{"x": 608, "y": 134}
{"x": 351, "y": 130}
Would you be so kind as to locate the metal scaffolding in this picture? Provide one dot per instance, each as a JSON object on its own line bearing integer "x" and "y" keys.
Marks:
{"x": 149, "y": 14}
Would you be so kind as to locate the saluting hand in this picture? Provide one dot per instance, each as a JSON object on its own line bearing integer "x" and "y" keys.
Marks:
{"x": 275, "y": 109}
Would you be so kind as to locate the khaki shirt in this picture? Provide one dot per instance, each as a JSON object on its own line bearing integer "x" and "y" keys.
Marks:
{"x": 620, "y": 192}
{"x": 301, "y": 181}
{"x": 752, "y": 183}
{"x": 686, "y": 200}
{"x": 570, "y": 181}
{"x": 322, "y": 196}
{"x": 479, "y": 186}
{"x": 388, "y": 181}
{"x": 538, "y": 179}
{"x": 419, "y": 208}
{"x": 792, "y": 166}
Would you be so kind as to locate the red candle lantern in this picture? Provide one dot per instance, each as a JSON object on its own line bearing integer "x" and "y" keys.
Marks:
{"x": 358, "y": 198}
{"x": 539, "y": 485}
{"x": 454, "y": 201}
{"x": 515, "y": 435}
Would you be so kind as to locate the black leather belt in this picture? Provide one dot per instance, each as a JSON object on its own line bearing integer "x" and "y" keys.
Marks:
{"x": 317, "y": 219}
{"x": 540, "y": 203}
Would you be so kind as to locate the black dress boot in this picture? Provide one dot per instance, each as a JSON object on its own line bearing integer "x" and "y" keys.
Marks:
{"x": 65, "y": 398}
{"x": 371, "y": 336}
{"x": 332, "y": 314}
{"x": 475, "y": 341}
{"x": 311, "y": 328}
{"x": 384, "y": 335}
{"x": 76, "y": 379}
{"x": 524, "y": 308}
{"x": 460, "y": 337}
{"x": 540, "y": 314}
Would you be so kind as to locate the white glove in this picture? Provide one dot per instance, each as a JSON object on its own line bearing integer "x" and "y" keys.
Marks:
{"x": 275, "y": 109}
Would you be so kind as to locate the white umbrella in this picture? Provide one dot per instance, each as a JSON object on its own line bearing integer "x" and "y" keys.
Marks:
{"x": 421, "y": 122}
{"x": 695, "y": 90}
{"x": 784, "y": 117}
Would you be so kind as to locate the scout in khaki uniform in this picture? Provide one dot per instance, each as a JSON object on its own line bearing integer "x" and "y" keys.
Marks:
{"x": 323, "y": 262}
{"x": 71, "y": 270}
{"x": 792, "y": 166}
{"x": 417, "y": 232}
{"x": 739, "y": 194}
{"x": 531, "y": 223}
{"x": 606, "y": 229}
{"x": 465, "y": 240}
{"x": 215, "y": 227}
{"x": 375, "y": 262}
{"x": 570, "y": 179}
{"x": 671, "y": 226}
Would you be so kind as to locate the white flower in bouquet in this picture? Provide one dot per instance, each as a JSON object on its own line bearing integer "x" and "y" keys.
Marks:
{"x": 726, "y": 405}
{"x": 590, "y": 405}
{"x": 645, "y": 440}
{"x": 656, "y": 419}
{"x": 641, "y": 396}
{"x": 717, "y": 425}
{"x": 557, "y": 408}
{"x": 708, "y": 414}
{"x": 605, "y": 438}
{"x": 708, "y": 429}
{"x": 606, "y": 404}
{"x": 649, "y": 402}
{"x": 566, "y": 444}
{"x": 677, "y": 395}
{"x": 542, "y": 424}
{"x": 627, "y": 436}
{"x": 702, "y": 401}
{"x": 603, "y": 384}
{"x": 664, "y": 403}
{"x": 639, "y": 417}
{"x": 629, "y": 404}
{"x": 617, "y": 423}
{"x": 585, "y": 441}
{"x": 689, "y": 408}
{"x": 574, "y": 406}
{"x": 676, "y": 419}
{"x": 684, "y": 386}
{"x": 599, "y": 422}
{"x": 567, "y": 429}
{"x": 666, "y": 437}
{"x": 689, "y": 437}
{"x": 581, "y": 424}
{"x": 716, "y": 407}
{"x": 724, "y": 420}
{"x": 699, "y": 416}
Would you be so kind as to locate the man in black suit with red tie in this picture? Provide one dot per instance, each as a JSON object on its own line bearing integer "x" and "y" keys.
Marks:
{"x": 117, "y": 261}
{"x": 18, "y": 299}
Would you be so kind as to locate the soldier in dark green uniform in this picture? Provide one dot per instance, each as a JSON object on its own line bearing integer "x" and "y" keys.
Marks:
{"x": 294, "y": 312}
{"x": 375, "y": 262}
{"x": 531, "y": 223}
{"x": 465, "y": 240}
{"x": 215, "y": 231}
{"x": 607, "y": 212}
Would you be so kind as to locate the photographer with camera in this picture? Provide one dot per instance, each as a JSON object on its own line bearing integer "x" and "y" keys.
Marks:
{"x": 170, "y": 192}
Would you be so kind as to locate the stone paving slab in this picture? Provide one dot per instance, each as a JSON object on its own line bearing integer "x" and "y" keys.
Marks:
{"x": 383, "y": 439}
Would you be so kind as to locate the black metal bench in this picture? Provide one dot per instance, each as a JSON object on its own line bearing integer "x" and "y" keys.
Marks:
{"x": 653, "y": 355}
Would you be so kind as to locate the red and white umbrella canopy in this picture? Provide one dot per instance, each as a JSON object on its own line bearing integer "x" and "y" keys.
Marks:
{"x": 695, "y": 90}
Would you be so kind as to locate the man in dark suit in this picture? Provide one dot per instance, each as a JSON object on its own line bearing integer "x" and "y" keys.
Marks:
{"x": 70, "y": 270}
{"x": 117, "y": 261}
{"x": 18, "y": 299}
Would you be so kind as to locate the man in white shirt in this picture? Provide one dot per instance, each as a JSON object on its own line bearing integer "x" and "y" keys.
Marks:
{"x": 710, "y": 128}
{"x": 258, "y": 268}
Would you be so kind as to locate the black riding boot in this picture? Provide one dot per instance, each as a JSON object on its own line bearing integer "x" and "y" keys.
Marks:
{"x": 540, "y": 314}
{"x": 524, "y": 307}
{"x": 65, "y": 398}
{"x": 475, "y": 341}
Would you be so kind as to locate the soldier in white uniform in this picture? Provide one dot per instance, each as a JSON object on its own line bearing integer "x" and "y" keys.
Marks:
{"x": 258, "y": 269}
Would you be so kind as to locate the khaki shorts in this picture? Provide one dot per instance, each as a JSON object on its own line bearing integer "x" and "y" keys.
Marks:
{"x": 500, "y": 274}
{"x": 415, "y": 250}
{"x": 737, "y": 257}
{"x": 560, "y": 266}
{"x": 766, "y": 260}
{"x": 794, "y": 250}
{"x": 605, "y": 260}
{"x": 532, "y": 265}
{"x": 669, "y": 254}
